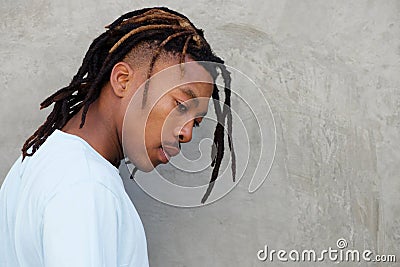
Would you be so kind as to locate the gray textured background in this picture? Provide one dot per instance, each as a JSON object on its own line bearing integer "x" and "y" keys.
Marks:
{"x": 331, "y": 74}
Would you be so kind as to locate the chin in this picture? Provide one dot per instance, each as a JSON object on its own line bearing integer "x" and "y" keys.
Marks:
{"x": 146, "y": 168}
{"x": 143, "y": 165}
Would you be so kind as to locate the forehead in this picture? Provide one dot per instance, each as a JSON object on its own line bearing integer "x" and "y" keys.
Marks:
{"x": 194, "y": 71}
{"x": 189, "y": 78}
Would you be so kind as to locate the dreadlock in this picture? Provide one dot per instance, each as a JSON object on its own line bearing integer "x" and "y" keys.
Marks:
{"x": 172, "y": 32}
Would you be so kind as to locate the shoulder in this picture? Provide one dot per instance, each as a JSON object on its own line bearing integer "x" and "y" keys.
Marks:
{"x": 65, "y": 160}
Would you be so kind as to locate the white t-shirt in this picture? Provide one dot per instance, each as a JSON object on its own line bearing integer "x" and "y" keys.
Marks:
{"x": 66, "y": 206}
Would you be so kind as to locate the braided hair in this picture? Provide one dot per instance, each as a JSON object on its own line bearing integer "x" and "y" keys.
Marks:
{"x": 172, "y": 32}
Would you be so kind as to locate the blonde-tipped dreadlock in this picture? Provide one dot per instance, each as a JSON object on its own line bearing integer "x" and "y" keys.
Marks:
{"x": 173, "y": 32}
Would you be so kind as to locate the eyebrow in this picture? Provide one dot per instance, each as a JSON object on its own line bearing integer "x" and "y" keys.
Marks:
{"x": 189, "y": 92}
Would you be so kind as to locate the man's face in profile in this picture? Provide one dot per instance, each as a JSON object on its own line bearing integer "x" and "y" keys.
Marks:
{"x": 176, "y": 103}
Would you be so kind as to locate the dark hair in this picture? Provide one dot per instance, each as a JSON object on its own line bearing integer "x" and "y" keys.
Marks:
{"x": 172, "y": 32}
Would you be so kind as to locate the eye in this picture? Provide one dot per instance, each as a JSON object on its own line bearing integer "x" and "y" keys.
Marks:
{"x": 181, "y": 107}
{"x": 196, "y": 124}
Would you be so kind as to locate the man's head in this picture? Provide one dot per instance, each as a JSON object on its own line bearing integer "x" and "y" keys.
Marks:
{"x": 136, "y": 46}
{"x": 176, "y": 102}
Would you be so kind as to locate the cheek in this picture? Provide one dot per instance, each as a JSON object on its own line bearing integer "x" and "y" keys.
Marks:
{"x": 155, "y": 125}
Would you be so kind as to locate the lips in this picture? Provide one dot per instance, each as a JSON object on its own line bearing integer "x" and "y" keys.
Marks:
{"x": 167, "y": 152}
{"x": 171, "y": 151}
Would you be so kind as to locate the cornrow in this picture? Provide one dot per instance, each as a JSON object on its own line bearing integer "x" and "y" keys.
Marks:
{"x": 171, "y": 32}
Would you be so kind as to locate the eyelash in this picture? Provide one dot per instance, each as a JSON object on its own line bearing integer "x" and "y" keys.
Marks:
{"x": 182, "y": 108}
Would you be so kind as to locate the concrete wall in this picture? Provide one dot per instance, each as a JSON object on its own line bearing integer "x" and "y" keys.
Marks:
{"x": 331, "y": 73}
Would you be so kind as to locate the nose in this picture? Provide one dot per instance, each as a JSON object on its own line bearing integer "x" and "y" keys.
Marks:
{"x": 185, "y": 133}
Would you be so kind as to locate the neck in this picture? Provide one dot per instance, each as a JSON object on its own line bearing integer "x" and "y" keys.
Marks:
{"x": 98, "y": 131}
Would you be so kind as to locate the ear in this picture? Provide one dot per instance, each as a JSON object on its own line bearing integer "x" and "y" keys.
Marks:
{"x": 120, "y": 77}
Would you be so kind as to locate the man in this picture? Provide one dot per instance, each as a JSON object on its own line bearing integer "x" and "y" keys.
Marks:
{"x": 63, "y": 202}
